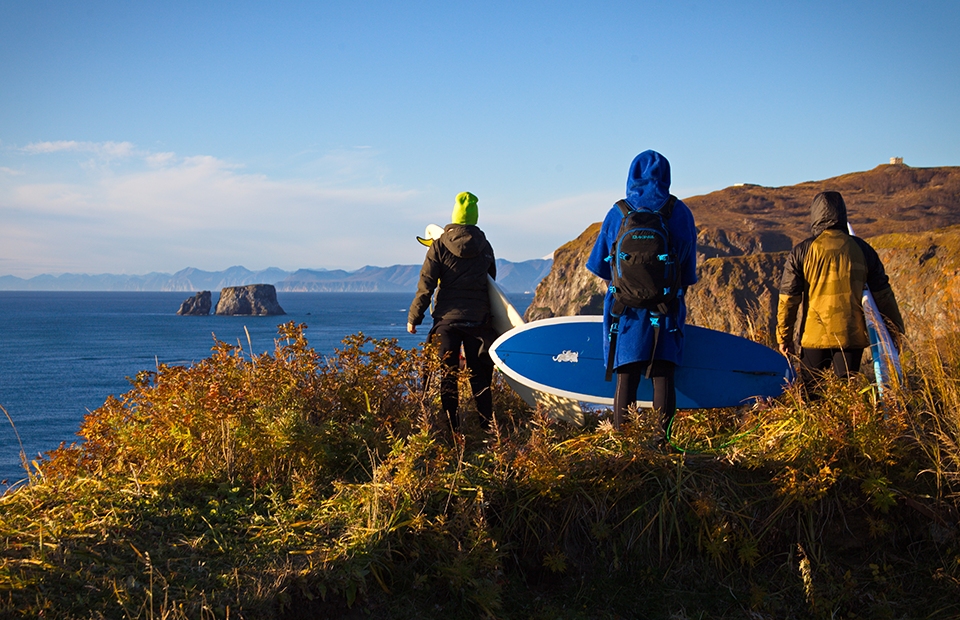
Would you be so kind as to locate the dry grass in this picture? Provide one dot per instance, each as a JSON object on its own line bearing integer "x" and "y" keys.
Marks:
{"x": 289, "y": 486}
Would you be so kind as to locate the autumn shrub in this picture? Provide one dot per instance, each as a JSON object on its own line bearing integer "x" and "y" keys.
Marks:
{"x": 275, "y": 417}
{"x": 290, "y": 483}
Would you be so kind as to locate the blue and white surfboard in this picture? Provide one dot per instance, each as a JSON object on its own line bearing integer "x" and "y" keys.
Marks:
{"x": 886, "y": 359}
{"x": 563, "y": 356}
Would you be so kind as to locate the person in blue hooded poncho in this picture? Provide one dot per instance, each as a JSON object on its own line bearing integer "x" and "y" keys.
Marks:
{"x": 648, "y": 186}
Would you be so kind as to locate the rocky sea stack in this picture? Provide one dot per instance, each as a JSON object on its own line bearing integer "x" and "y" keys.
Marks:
{"x": 198, "y": 305}
{"x": 251, "y": 300}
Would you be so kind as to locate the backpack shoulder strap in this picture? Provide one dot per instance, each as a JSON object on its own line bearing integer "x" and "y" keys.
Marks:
{"x": 667, "y": 208}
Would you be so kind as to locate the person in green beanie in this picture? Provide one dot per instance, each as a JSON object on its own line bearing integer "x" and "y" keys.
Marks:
{"x": 458, "y": 262}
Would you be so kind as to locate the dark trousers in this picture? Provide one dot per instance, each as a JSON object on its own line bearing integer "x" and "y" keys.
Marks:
{"x": 450, "y": 337}
{"x": 664, "y": 390}
{"x": 844, "y": 362}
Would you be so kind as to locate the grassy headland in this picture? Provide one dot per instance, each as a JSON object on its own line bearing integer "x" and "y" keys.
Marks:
{"x": 288, "y": 485}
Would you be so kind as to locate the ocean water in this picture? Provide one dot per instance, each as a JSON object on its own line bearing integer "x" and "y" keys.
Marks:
{"x": 62, "y": 354}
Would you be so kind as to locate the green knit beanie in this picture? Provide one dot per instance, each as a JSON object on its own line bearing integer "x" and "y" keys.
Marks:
{"x": 466, "y": 210}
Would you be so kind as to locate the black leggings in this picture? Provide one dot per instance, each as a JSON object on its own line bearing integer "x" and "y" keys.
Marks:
{"x": 450, "y": 337}
{"x": 664, "y": 390}
{"x": 844, "y": 362}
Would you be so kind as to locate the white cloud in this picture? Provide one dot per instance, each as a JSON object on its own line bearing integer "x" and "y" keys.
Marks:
{"x": 51, "y": 147}
{"x": 164, "y": 212}
{"x": 105, "y": 150}
{"x": 158, "y": 160}
{"x": 169, "y": 212}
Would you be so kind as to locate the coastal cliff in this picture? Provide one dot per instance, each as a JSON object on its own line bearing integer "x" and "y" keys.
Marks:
{"x": 739, "y": 294}
{"x": 739, "y": 272}
{"x": 569, "y": 289}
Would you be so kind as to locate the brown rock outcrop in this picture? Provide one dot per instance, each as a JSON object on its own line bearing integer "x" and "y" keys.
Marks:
{"x": 739, "y": 272}
{"x": 198, "y": 305}
{"x": 891, "y": 198}
{"x": 924, "y": 271}
{"x": 569, "y": 289}
{"x": 251, "y": 300}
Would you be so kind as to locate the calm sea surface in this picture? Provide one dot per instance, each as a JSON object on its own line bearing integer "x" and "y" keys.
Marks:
{"x": 63, "y": 354}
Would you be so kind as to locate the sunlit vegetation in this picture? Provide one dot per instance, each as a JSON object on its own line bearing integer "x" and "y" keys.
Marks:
{"x": 290, "y": 485}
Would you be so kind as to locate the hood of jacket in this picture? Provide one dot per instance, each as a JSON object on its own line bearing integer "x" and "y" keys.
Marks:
{"x": 828, "y": 212}
{"x": 464, "y": 240}
{"x": 648, "y": 184}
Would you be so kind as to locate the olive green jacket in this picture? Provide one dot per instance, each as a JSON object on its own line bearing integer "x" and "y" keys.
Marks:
{"x": 825, "y": 275}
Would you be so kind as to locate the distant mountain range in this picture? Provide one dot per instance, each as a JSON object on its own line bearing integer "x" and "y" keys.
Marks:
{"x": 513, "y": 277}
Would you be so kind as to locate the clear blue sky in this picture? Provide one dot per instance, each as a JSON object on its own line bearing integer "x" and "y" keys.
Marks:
{"x": 152, "y": 136}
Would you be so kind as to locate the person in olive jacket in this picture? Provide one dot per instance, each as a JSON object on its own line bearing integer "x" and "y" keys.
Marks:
{"x": 458, "y": 262}
{"x": 827, "y": 273}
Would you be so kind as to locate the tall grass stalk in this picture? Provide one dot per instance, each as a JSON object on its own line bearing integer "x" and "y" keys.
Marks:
{"x": 286, "y": 484}
{"x": 23, "y": 454}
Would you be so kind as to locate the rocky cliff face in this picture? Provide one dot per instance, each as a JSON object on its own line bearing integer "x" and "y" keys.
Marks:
{"x": 739, "y": 272}
{"x": 739, "y": 294}
{"x": 924, "y": 270}
{"x": 747, "y": 219}
{"x": 569, "y": 289}
{"x": 252, "y": 300}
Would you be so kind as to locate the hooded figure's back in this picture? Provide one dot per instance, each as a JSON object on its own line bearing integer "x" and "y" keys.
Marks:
{"x": 648, "y": 186}
{"x": 827, "y": 273}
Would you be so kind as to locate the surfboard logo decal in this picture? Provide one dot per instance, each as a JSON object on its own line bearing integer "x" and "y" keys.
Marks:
{"x": 567, "y": 356}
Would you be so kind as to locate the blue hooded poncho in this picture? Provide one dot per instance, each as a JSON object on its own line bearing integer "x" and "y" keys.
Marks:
{"x": 648, "y": 186}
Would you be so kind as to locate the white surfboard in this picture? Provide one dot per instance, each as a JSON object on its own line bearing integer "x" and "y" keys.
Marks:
{"x": 886, "y": 359}
{"x": 505, "y": 318}
{"x": 433, "y": 232}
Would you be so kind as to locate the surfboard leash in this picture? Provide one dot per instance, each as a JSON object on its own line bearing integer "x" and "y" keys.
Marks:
{"x": 736, "y": 438}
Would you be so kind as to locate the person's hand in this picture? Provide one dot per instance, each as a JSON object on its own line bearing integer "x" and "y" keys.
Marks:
{"x": 895, "y": 335}
{"x": 411, "y": 328}
{"x": 786, "y": 348}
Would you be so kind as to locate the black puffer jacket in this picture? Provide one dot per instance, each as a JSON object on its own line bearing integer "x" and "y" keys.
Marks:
{"x": 459, "y": 262}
